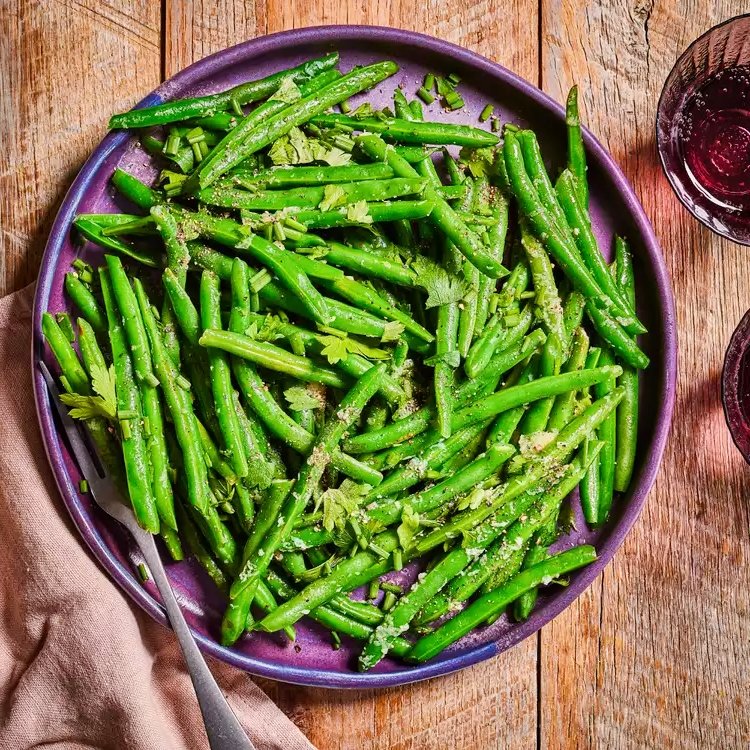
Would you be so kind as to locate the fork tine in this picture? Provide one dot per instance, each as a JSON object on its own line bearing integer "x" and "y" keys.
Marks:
{"x": 82, "y": 453}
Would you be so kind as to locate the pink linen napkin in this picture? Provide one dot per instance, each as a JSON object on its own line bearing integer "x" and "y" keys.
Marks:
{"x": 80, "y": 665}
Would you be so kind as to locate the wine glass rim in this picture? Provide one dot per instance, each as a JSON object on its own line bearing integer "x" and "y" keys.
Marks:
{"x": 657, "y": 125}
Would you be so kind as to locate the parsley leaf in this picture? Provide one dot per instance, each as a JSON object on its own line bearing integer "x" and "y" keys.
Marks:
{"x": 103, "y": 404}
{"x": 480, "y": 161}
{"x": 301, "y": 399}
{"x": 333, "y": 195}
{"x": 340, "y": 503}
{"x": 358, "y": 212}
{"x": 336, "y": 157}
{"x": 337, "y": 347}
{"x": 334, "y": 349}
{"x": 408, "y": 527}
{"x": 288, "y": 92}
{"x": 363, "y": 112}
{"x": 392, "y": 331}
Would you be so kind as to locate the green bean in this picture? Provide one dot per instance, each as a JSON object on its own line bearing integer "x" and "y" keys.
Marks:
{"x": 445, "y": 344}
{"x": 442, "y": 216}
{"x": 178, "y": 403}
{"x": 414, "y": 132}
{"x": 280, "y": 261}
{"x": 534, "y": 164}
{"x": 607, "y": 434}
{"x": 309, "y": 477}
{"x": 576, "y": 150}
{"x": 503, "y": 543}
{"x": 74, "y": 374}
{"x": 137, "y": 340}
{"x": 564, "y": 406}
{"x": 253, "y": 133}
{"x": 589, "y": 251}
{"x": 266, "y": 602}
{"x": 332, "y": 619}
{"x": 134, "y": 448}
{"x": 91, "y": 354}
{"x": 495, "y": 602}
{"x": 178, "y": 255}
{"x": 367, "y": 299}
{"x": 541, "y": 221}
{"x": 299, "y": 176}
{"x": 495, "y": 336}
{"x": 245, "y": 93}
{"x": 368, "y": 263}
{"x": 226, "y": 196}
{"x": 220, "y": 376}
{"x": 93, "y": 232}
{"x": 134, "y": 190}
{"x": 547, "y": 297}
{"x": 427, "y": 500}
{"x": 341, "y": 577}
{"x": 537, "y": 469}
{"x": 397, "y": 620}
{"x": 614, "y": 334}
{"x": 485, "y": 408}
{"x": 85, "y": 301}
{"x": 383, "y": 211}
{"x": 236, "y": 614}
{"x": 270, "y": 356}
{"x": 191, "y": 536}
{"x": 627, "y": 411}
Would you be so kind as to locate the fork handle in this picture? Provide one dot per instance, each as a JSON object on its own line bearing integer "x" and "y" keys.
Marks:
{"x": 223, "y": 730}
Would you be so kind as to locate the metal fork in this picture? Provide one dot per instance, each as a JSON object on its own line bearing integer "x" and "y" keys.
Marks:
{"x": 223, "y": 730}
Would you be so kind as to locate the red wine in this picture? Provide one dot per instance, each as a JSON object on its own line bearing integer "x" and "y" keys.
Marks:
{"x": 714, "y": 136}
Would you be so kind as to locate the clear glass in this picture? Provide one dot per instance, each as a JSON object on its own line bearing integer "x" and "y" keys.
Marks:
{"x": 703, "y": 129}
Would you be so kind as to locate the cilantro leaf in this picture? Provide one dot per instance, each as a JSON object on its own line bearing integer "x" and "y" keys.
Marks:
{"x": 333, "y": 195}
{"x": 288, "y": 92}
{"x": 358, "y": 212}
{"x": 301, "y": 399}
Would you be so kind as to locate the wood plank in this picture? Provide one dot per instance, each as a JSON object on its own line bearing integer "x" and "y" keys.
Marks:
{"x": 492, "y": 705}
{"x": 655, "y": 654}
{"x": 56, "y": 74}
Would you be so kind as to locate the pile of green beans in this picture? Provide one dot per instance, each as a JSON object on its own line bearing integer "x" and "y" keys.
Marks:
{"x": 314, "y": 354}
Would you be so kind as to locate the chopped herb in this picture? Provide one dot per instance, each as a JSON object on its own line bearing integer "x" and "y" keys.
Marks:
{"x": 143, "y": 572}
{"x": 373, "y": 589}
{"x": 389, "y": 601}
{"x": 429, "y": 82}
{"x": 83, "y": 486}
{"x": 486, "y": 113}
{"x": 425, "y": 96}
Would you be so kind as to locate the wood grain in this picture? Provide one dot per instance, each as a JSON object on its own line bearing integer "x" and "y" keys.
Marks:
{"x": 56, "y": 63}
{"x": 655, "y": 654}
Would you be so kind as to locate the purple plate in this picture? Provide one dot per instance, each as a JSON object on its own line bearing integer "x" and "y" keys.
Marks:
{"x": 311, "y": 661}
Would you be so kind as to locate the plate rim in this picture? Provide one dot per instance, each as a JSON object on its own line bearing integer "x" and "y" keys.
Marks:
{"x": 51, "y": 438}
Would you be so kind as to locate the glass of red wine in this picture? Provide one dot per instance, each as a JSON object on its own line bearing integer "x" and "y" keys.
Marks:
{"x": 735, "y": 386}
{"x": 703, "y": 129}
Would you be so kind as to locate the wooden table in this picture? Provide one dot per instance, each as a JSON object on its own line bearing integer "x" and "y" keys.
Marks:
{"x": 657, "y": 652}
